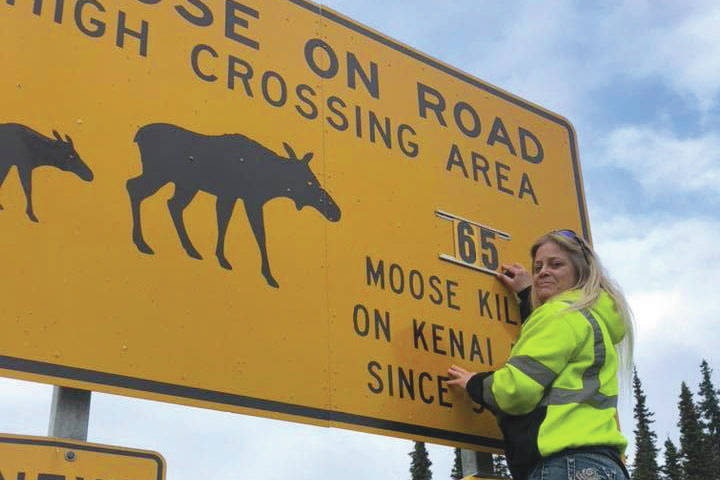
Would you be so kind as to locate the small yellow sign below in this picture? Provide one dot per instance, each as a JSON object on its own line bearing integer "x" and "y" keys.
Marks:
{"x": 45, "y": 458}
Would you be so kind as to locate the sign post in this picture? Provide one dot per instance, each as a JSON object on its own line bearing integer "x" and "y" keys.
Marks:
{"x": 220, "y": 205}
{"x": 479, "y": 463}
{"x": 69, "y": 413}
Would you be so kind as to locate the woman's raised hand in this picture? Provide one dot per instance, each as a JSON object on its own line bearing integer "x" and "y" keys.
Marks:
{"x": 459, "y": 376}
{"x": 514, "y": 276}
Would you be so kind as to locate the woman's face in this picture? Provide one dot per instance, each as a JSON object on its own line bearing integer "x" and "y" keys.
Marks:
{"x": 553, "y": 272}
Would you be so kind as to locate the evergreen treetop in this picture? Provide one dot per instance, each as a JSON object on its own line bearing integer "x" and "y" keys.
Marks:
{"x": 420, "y": 464}
{"x": 457, "y": 470}
{"x": 646, "y": 467}
{"x": 672, "y": 470}
{"x": 692, "y": 445}
{"x": 710, "y": 411}
{"x": 709, "y": 406}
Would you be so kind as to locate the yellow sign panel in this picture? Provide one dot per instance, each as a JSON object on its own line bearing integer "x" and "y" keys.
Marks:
{"x": 44, "y": 458}
{"x": 264, "y": 207}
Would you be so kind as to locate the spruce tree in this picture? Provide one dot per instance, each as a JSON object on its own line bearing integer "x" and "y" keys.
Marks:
{"x": 672, "y": 470}
{"x": 457, "y": 470}
{"x": 692, "y": 444}
{"x": 646, "y": 466}
{"x": 420, "y": 465}
{"x": 709, "y": 405}
{"x": 710, "y": 412}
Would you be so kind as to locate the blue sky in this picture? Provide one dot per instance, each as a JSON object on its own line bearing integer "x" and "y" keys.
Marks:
{"x": 640, "y": 81}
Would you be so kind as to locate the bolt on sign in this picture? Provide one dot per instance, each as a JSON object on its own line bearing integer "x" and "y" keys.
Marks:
{"x": 43, "y": 458}
{"x": 264, "y": 207}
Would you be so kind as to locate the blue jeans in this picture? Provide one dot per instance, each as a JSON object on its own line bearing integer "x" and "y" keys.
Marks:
{"x": 577, "y": 466}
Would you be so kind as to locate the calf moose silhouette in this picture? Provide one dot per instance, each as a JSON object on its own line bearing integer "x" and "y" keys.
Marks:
{"x": 28, "y": 149}
{"x": 228, "y": 166}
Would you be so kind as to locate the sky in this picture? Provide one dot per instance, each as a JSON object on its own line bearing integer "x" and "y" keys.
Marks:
{"x": 640, "y": 82}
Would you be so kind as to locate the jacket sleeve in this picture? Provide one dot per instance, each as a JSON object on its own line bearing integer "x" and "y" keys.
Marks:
{"x": 525, "y": 303}
{"x": 546, "y": 345}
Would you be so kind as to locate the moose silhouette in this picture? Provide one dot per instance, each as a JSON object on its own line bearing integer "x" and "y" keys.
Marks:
{"x": 230, "y": 167}
{"x": 27, "y": 149}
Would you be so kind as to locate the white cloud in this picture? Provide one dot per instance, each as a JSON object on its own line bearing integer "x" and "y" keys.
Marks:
{"x": 686, "y": 53}
{"x": 663, "y": 163}
{"x": 559, "y": 56}
{"x": 670, "y": 271}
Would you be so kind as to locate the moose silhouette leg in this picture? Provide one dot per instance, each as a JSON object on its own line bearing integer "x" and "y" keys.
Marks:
{"x": 4, "y": 169}
{"x": 26, "y": 181}
{"x": 224, "y": 208}
{"x": 257, "y": 222}
{"x": 139, "y": 188}
{"x": 176, "y": 205}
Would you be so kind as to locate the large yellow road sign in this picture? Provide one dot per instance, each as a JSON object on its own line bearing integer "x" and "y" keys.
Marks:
{"x": 44, "y": 458}
{"x": 264, "y": 207}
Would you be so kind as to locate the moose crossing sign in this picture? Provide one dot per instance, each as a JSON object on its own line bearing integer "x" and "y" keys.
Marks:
{"x": 264, "y": 207}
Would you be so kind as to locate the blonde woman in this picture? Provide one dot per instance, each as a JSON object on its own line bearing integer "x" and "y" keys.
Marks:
{"x": 556, "y": 397}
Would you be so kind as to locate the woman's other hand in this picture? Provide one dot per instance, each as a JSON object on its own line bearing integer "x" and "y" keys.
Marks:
{"x": 514, "y": 276}
{"x": 459, "y": 376}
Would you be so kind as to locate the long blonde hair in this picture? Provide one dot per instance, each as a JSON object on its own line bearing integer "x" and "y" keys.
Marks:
{"x": 592, "y": 279}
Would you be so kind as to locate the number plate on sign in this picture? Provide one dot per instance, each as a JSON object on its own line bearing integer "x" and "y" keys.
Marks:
{"x": 475, "y": 245}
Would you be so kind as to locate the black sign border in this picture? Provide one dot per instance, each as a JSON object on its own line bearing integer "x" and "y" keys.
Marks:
{"x": 223, "y": 398}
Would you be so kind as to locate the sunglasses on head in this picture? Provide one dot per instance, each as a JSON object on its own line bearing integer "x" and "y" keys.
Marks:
{"x": 571, "y": 235}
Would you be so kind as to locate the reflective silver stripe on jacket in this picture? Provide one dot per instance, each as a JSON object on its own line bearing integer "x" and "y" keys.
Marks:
{"x": 590, "y": 392}
{"x": 533, "y": 369}
{"x": 488, "y": 397}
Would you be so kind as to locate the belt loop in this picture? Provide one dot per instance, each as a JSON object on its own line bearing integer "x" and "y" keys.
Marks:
{"x": 571, "y": 467}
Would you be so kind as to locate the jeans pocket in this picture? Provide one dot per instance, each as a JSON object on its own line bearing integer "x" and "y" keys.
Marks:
{"x": 577, "y": 466}
{"x": 593, "y": 473}
{"x": 594, "y": 467}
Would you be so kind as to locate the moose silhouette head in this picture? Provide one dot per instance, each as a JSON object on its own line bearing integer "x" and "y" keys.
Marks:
{"x": 66, "y": 158}
{"x": 28, "y": 149}
{"x": 304, "y": 187}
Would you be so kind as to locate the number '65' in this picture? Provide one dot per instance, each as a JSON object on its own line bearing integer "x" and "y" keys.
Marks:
{"x": 468, "y": 247}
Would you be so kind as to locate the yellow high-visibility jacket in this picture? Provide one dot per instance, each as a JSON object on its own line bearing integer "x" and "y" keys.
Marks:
{"x": 558, "y": 390}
